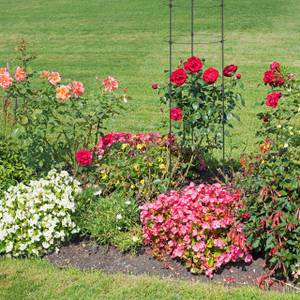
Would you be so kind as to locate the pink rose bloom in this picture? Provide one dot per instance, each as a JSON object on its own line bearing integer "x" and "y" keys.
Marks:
{"x": 275, "y": 66}
{"x": 77, "y": 89}
{"x": 54, "y": 78}
{"x": 20, "y": 74}
{"x": 110, "y": 84}
{"x": 5, "y": 80}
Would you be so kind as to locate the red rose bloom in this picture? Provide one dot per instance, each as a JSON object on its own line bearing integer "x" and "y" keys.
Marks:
{"x": 278, "y": 79}
{"x": 193, "y": 64}
{"x": 154, "y": 86}
{"x": 275, "y": 66}
{"x": 210, "y": 75}
{"x": 238, "y": 76}
{"x": 176, "y": 114}
{"x": 107, "y": 140}
{"x": 230, "y": 70}
{"x": 272, "y": 77}
{"x": 273, "y": 98}
{"x": 268, "y": 77}
{"x": 178, "y": 77}
{"x": 84, "y": 157}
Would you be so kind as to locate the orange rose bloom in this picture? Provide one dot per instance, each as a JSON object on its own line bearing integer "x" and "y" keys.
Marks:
{"x": 45, "y": 74}
{"x": 63, "y": 93}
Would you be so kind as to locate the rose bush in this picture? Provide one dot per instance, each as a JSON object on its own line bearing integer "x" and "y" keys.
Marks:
{"x": 36, "y": 218}
{"x": 55, "y": 116}
{"x": 271, "y": 179}
{"x": 198, "y": 225}
{"x": 196, "y": 98}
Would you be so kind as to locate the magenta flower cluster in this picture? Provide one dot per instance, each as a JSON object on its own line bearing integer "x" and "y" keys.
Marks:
{"x": 197, "y": 225}
{"x": 132, "y": 139}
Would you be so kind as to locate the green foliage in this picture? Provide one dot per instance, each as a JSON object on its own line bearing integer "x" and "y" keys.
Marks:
{"x": 109, "y": 220}
{"x": 12, "y": 168}
{"x": 130, "y": 240}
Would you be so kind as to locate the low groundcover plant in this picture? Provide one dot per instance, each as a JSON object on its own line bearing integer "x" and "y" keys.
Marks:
{"x": 198, "y": 225}
{"x": 36, "y": 218}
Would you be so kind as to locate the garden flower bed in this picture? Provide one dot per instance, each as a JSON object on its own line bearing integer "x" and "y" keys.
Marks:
{"x": 129, "y": 190}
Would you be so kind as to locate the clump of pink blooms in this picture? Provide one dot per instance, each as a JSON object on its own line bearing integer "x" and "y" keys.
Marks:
{"x": 132, "y": 139}
{"x": 198, "y": 225}
{"x": 5, "y": 79}
{"x": 110, "y": 84}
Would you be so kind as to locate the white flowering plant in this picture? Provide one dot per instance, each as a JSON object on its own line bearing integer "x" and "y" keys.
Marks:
{"x": 36, "y": 218}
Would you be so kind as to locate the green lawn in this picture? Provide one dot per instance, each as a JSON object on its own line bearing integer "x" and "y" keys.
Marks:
{"x": 85, "y": 39}
{"x": 39, "y": 280}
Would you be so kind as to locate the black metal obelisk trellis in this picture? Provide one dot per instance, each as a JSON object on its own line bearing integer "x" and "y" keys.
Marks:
{"x": 192, "y": 43}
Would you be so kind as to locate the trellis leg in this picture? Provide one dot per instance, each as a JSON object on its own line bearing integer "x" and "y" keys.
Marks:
{"x": 170, "y": 72}
{"x": 192, "y": 27}
{"x": 223, "y": 83}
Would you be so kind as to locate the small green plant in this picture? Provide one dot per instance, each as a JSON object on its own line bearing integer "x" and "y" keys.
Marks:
{"x": 112, "y": 220}
{"x": 12, "y": 168}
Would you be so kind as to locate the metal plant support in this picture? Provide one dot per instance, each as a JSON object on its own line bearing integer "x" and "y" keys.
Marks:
{"x": 192, "y": 43}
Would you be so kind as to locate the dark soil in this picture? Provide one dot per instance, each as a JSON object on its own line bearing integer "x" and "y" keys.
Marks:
{"x": 87, "y": 255}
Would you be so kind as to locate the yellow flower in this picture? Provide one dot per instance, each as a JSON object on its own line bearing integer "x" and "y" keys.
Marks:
{"x": 162, "y": 167}
{"x": 124, "y": 146}
{"x": 104, "y": 176}
{"x": 136, "y": 167}
{"x": 142, "y": 182}
{"x": 140, "y": 146}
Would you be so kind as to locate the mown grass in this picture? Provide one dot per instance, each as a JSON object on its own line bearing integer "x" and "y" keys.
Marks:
{"x": 85, "y": 39}
{"x": 37, "y": 279}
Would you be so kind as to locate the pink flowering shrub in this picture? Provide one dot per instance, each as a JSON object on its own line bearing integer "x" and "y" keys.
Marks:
{"x": 198, "y": 225}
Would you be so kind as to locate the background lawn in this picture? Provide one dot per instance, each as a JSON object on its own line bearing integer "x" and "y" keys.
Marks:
{"x": 34, "y": 279}
{"x": 85, "y": 39}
